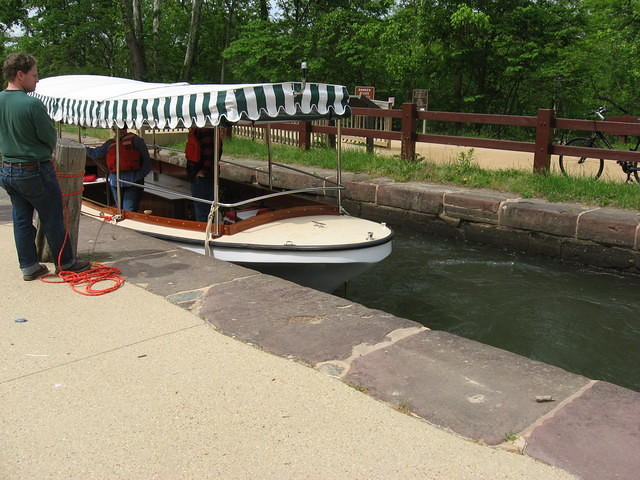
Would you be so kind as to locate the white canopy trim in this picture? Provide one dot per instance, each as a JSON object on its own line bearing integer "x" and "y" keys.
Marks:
{"x": 98, "y": 101}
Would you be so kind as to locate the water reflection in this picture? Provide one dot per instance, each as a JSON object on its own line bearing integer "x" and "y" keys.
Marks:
{"x": 581, "y": 319}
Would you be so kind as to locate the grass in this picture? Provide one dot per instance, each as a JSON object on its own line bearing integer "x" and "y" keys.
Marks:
{"x": 360, "y": 388}
{"x": 101, "y": 133}
{"x": 403, "y": 408}
{"x": 463, "y": 172}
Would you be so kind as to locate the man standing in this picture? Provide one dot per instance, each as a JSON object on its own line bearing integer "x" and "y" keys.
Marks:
{"x": 27, "y": 140}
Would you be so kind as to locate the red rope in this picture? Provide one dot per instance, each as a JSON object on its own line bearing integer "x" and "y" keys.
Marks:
{"x": 106, "y": 218}
{"x": 71, "y": 194}
{"x": 69, "y": 175}
{"x": 83, "y": 282}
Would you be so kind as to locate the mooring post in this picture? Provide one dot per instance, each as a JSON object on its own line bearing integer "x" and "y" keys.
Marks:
{"x": 544, "y": 140}
{"x": 70, "y": 159}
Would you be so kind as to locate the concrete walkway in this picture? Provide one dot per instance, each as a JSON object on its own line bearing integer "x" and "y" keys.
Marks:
{"x": 197, "y": 368}
{"x": 128, "y": 385}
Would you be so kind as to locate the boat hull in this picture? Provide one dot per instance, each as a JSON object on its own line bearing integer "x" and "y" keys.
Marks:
{"x": 325, "y": 270}
{"x": 318, "y": 251}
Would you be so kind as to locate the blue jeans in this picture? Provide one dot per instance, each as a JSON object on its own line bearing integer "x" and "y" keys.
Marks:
{"x": 36, "y": 189}
{"x": 130, "y": 196}
{"x": 202, "y": 187}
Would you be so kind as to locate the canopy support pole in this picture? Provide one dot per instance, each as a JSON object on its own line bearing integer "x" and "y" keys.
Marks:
{"x": 155, "y": 144}
{"x": 216, "y": 178}
{"x": 79, "y": 134}
{"x": 118, "y": 190}
{"x": 268, "y": 141}
{"x": 339, "y": 160}
{"x": 214, "y": 212}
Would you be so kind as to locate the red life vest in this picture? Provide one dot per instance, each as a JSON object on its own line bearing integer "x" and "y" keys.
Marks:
{"x": 192, "y": 150}
{"x": 129, "y": 156}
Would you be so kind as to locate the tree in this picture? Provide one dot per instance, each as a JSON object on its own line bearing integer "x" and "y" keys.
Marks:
{"x": 155, "y": 35}
{"x": 194, "y": 32}
{"x": 230, "y": 12}
{"x": 492, "y": 56}
{"x": 72, "y": 36}
{"x": 132, "y": 19}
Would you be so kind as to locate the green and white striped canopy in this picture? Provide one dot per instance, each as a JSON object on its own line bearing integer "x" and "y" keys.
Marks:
{"x": 98, "y": 101}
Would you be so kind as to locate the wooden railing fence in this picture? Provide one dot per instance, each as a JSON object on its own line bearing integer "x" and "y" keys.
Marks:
{"x": 545, "y": 123}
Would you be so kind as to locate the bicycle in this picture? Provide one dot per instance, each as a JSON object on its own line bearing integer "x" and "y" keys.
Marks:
{"x": 592, "y": 167}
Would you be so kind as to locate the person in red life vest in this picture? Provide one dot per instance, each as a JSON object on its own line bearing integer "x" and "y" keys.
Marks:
{"x": 135, "y": 164}
{"x": 199, "y": 152}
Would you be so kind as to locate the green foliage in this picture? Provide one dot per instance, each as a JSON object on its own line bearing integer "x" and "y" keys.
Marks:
{"x": 485, "y": 56}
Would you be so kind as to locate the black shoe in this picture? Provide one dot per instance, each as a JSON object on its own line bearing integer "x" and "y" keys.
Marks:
{"x": 75, "y": 268}
{"x": 43, "y": 270}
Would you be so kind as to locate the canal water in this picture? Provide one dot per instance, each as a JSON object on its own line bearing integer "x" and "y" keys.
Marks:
{"x": 581, "y": 319}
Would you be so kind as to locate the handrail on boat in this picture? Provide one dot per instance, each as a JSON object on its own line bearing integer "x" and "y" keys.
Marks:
{"x": 162, "y": 147}
{"x": 288, "y": 167}
{"x": 156, "y": 188}
{"x": 153, "y": 187}
{"x": 282, "y": 165}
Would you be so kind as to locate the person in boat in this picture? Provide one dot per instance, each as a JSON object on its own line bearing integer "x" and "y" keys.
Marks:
{"x": 27, "y": 142}
{"x": 200, "y": 153}
{"x": 135, "y": 164}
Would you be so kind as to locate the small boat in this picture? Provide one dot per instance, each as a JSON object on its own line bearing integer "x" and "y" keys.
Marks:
{"x": 289, "y": 233}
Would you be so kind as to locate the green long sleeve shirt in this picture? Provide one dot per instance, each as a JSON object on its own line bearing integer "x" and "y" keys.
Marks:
{"x": 26, "y": 131}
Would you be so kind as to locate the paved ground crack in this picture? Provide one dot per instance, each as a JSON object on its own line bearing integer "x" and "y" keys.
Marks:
{"x": 340, "y": 368}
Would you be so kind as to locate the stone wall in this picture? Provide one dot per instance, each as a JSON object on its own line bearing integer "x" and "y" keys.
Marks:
{"x": 602, "y": 237}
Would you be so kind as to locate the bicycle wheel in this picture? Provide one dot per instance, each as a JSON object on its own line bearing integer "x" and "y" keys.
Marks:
{"x": 630, "y": 168}
{"x": 582, "y": 167}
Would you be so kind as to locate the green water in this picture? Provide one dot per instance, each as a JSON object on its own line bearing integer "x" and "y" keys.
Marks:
{"x": 580, "y": 319}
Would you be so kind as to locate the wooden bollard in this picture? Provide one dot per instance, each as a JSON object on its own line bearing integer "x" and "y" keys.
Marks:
{"x": 70, "y": 159}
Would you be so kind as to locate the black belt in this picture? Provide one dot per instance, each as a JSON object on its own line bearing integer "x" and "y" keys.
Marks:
{"x": 24, "y": 165}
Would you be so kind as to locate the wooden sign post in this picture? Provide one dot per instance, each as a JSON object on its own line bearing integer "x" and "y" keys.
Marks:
{"x": 369, "y": 92}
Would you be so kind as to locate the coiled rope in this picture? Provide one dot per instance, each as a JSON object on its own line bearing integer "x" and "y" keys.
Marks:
{"x": 84, "y": 282}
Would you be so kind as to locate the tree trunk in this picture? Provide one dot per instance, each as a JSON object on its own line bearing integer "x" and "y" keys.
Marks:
{"x": 70, "y": 161}
{"x": 264, "y": 10}
{"x": 156, "y": 36}
{"x": 134, "y": 43}
{"x": 194, "y": 30}
{"x": 231, "y": 6}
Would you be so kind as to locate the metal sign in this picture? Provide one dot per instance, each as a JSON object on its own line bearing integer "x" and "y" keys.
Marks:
{"x": 420, "y": 97}
{"x": 369, "y": 92}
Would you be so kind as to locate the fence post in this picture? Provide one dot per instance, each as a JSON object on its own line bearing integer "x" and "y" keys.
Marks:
{"x": 544, "y": 129}
{"x": 227, "y": 133}
{"x": 370, "y": 124}
{"x": 408, "y": 144}
{"x": 331, "y": 137}
{"x": 304, "y": 135}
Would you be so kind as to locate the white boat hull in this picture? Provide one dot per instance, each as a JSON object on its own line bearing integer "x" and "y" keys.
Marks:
{"x": 319, "y": 251}
{"x": 321, "y": 270}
